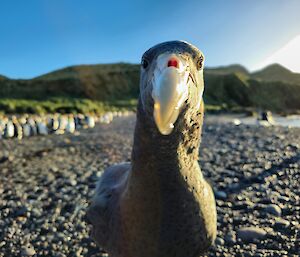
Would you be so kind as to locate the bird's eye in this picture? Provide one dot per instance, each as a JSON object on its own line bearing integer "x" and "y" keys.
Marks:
{"x": 145, "y": 63}
{"x": 200, "y": 63}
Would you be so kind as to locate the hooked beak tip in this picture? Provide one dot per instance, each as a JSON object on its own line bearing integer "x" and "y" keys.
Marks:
{"x": 169, "y": 93}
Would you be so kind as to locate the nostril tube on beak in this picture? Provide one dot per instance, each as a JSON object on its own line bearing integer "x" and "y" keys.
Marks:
{"x": 173, "y": 63}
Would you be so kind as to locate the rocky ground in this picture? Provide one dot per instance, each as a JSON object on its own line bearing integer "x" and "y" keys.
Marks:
{"x": 46, "y": 184}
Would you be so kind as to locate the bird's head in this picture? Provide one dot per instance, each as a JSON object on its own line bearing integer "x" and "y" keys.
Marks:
{"x": 171, "y": 81}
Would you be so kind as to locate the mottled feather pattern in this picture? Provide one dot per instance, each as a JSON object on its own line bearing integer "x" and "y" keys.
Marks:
{"x": 159, "y": 205}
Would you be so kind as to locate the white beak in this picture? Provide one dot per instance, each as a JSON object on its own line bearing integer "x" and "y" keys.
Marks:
{"x": 170, "y": 90}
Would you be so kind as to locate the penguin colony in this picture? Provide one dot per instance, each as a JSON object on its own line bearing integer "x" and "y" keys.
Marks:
{"x": 32, "y": 125}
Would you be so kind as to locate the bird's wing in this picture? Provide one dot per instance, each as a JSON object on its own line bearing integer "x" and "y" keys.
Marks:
{"x": 103, "y": 209}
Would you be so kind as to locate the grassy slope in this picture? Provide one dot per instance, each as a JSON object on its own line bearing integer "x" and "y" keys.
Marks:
{"x": 274, "y": 88}
{"x": 85, "y": 88}
{"x": 96, "y": 82}
{"x": 2, "y": 77}
{"x": 64, "y": 105}
{"x": 95, "y": 88}
{"x": 276, "y": 72}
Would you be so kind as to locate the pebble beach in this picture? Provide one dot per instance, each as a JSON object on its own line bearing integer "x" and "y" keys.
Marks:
{"x": 46, "y": 183}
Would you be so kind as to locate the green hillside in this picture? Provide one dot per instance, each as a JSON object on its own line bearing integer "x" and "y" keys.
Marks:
{"x": 234, "y": 68}
{"x": 95, "y": 88}
{"x": 274, "y": 88}
{"x": 2, "y": 77}
{"x": 276, "y": 72}
{"x": 226, "y": 89}
{"x": 96, "y": 82}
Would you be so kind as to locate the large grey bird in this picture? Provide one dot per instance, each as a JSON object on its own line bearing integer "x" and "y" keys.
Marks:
{"x": 159, "y": 205}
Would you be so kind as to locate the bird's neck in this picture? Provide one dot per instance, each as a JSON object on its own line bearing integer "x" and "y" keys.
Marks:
{"x": 166, "y": 155}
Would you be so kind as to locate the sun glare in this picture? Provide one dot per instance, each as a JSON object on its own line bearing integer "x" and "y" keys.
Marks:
{"x": 288, "y": 56}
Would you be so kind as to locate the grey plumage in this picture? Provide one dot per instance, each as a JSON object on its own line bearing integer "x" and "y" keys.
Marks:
{"x": 159, "y": 205}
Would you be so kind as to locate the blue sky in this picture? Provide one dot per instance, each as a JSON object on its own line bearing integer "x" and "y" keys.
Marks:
{"x": 39, "y": 36}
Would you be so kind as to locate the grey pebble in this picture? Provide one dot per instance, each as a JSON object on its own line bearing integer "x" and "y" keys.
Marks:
{"x": 281, "y": 223}
{"x": 220, "y": 195}
{"x": 249, "y": 234}
{"x": 273, "y": 209}
{"x": 21, "y": 211}
{"x": 28, "y": 251}
{"x": 230, "y": 238}
{"x": 219, "y": 241}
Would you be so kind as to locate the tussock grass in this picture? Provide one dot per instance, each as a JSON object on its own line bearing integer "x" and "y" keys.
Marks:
{"x": 64, "y": 105}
